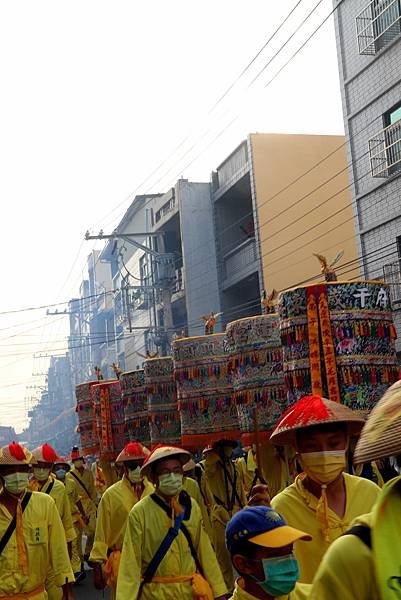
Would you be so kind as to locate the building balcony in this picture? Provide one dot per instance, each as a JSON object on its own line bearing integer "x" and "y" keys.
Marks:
{"x": 392, "y": 276}
{"x": 377, "y": 25}
{"x": 385, "y": 151}
{"x": 239, "y": 261}
{"x": 179, "y": 285}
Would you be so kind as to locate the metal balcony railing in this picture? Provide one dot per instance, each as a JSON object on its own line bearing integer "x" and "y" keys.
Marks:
{"x": 239, "y": 259}
{"x": 377, "y": 25}
{"x": 385, "y": 151}
{"x": 392, "y": 276}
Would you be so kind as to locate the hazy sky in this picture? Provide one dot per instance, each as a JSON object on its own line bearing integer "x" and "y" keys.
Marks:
{"x": 94, "y": 96}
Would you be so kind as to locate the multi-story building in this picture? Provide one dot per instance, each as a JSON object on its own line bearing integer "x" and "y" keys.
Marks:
{"x": 277, "y": 200}
{"x": 369, "y": 55}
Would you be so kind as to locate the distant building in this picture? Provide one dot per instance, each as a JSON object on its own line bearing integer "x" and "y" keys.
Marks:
{"x": 369, "y": 56}
{"x": 7, "y": 435}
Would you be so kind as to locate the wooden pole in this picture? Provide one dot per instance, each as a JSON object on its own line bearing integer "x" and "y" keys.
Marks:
{"x": 257, "y": 441}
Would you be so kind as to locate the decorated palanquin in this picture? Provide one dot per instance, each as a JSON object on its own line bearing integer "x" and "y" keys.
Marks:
{"x": 135, "y": 406}
{"x": 110, "y": 418}
{"x": 256, "y": 366}
{"x": 204, "y": 390}
{"x": 339, "y": 341}
{"x": 87, "y": 427}
{"x": 165, "y": 427}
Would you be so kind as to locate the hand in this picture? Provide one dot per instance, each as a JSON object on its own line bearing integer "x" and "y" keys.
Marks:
{"x": 259, "y": 496}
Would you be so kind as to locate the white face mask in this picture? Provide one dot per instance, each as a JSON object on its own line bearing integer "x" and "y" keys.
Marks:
{"x": 78, "y": 463}
{"x": 41, "y": 474}
{"x": 16, "y": 483}
{"x": 170, "y": 484}
{"x": 134, "y": 475}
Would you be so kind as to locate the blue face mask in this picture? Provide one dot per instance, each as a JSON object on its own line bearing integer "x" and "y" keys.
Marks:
{"x": 281, "y": 575}
{"x": 61, "y": 473}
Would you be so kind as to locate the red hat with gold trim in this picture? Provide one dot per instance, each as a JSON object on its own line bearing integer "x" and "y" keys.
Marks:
{"x": 14, "y": 454}
{"x": 312, "y": 411}
{"x": 133, "y": 451}
{"x": 76, "y": 453}
{"x": 44, "y": 453}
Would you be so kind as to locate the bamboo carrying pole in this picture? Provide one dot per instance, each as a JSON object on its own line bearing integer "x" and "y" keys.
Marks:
{"x": 257, "y": 443}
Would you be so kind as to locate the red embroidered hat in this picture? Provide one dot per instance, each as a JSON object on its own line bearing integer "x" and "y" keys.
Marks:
{"x": 133, "y": 451}
{"x": 311, "y": 411}
{"x": 14, "y": 454}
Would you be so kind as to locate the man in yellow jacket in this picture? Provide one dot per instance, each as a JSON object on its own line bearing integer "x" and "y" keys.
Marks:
{"x": 191, "y": 486}
{"x": 323, "y": 500}
{"x": 81, "y": 484}
{"x": 364, "y": 564}
{"x": 229, "y": 497}
{"x": 114, "y": 508}
{"x": 182, "y": 565}
{"x": 43, "y": 459}
{"x": 31, "y": 533}
{"x": 261, "y": 546}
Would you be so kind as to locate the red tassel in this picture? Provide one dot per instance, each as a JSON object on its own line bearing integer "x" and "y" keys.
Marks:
{"x": 48, "y": 453}
{"x": 16, "y": 451}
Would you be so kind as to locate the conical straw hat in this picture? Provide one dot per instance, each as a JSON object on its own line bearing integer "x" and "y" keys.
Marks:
{"x": 381, "y": 436}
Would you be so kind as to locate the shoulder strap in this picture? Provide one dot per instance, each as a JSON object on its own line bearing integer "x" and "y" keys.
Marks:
{"x": 362, "y": 532}
{"x": 81, "y": 483}
{"x": 192, "y": 548}
{"x": 161, "y": 552}
{"x": 49, "y": 489}
{"x": 13, "y": 523}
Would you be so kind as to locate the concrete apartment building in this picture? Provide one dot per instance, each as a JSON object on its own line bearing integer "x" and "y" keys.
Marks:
{"x": 369, "y": 56}
{"x": 277, "y": 200}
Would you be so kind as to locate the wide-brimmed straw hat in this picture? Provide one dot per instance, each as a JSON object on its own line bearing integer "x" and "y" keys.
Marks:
{"x": 44, "y": 453}
{"x": 162, "y": 453}
{"x": 312, "y": 411}
{"x": 132, "y": 451}
{"x": 14, "y": 454}
{"x": 381, "y": 435}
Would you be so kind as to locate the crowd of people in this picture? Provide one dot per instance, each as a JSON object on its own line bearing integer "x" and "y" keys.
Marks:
{"x": 171, "y": 528}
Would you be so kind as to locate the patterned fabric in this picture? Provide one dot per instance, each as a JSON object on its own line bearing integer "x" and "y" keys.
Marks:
{"x": 110, "y": 419}
{"x": 136, "y": 406}
{"x": 86, "y": 418}
{"x": 160, "y": 388}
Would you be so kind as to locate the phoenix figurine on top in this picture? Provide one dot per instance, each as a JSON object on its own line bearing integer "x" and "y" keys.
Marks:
{"x": 327, "y": 270}
{"x": 210, "y": 322}
{"x": 269, "y": 302}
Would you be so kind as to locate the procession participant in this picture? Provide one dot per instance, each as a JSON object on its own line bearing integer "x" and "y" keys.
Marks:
{"x": 100, "y": 480}
{"x": 61, "y": 468}
{"x": 166, "y": 552}
{"x": 364, "y": 564}
{"x": 32, "y": 538}
{"x": 228, "y": 498}
{"x": 324, "y": 499}
{"x": 191, "y": 486}
{"x": 83, "y": 481}
{"x": 42, "y": 480}
{"x": 113, "y": 511}
{"x": 261, "y": 547}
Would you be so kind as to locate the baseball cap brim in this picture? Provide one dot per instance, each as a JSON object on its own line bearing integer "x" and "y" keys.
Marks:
{"x": 280, "y": 537}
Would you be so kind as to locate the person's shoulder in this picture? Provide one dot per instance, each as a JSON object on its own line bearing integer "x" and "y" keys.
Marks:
{"x": 362, "y": 484}
{"x": 286, "y": 494}
{"x": 41, "y": 502}
{"x": 58, "y": 485}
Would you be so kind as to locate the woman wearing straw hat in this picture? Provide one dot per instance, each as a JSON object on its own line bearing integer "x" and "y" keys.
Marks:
{"x": 365, "y": 564}
{"x": 113, "y": 511}
{"x": 167, "y": 554}
{"x": 323, "y": 500}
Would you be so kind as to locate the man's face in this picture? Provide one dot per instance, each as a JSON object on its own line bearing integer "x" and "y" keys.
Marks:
{"x": 322, "y": 439}
{"x": 165, "y": 467}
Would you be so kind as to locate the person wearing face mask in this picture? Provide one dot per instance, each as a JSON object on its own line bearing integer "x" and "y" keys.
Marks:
{"x": 42, "y": 480}
{"x": 32, "y": 538}
{"x": 60, "y": 469}
{"x": 114, "y": 508}
{"x": 191, "y": 486}
{"x": 80, "y": 485}
{"x": 261, "y": 547}
{"x": 226, "y": 485}
{"x": 166, "y": 553}
{"x": 324, "y": 499}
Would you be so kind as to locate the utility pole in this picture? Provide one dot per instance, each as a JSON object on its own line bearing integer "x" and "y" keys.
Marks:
{"x": 163, "y": 270}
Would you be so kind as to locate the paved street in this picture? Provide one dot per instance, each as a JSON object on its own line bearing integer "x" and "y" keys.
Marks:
{"x": 86, "y": 590}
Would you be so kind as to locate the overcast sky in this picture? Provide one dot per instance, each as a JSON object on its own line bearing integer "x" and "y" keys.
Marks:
{"x": 94, "y": 96}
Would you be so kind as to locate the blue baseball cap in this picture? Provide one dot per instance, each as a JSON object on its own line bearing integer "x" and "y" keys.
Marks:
{"x": 263, "y": 526}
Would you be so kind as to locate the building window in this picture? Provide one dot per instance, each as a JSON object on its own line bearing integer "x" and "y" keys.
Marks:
{"x": 385, "y": 146}
{"x": 377, "y": 25}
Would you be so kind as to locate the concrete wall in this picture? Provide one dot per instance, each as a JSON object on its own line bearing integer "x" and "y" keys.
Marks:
{"x": 371, "y": 85}
{"x": 199, "y": 252}
{"x": 298, "y": 222}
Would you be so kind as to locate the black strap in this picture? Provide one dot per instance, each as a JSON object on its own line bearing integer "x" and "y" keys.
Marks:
{"x": 49, "y": 489}
{"x": 11, "y": 528}
{"x": 81, "y": 483}
{"x": 362, "y": 532}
